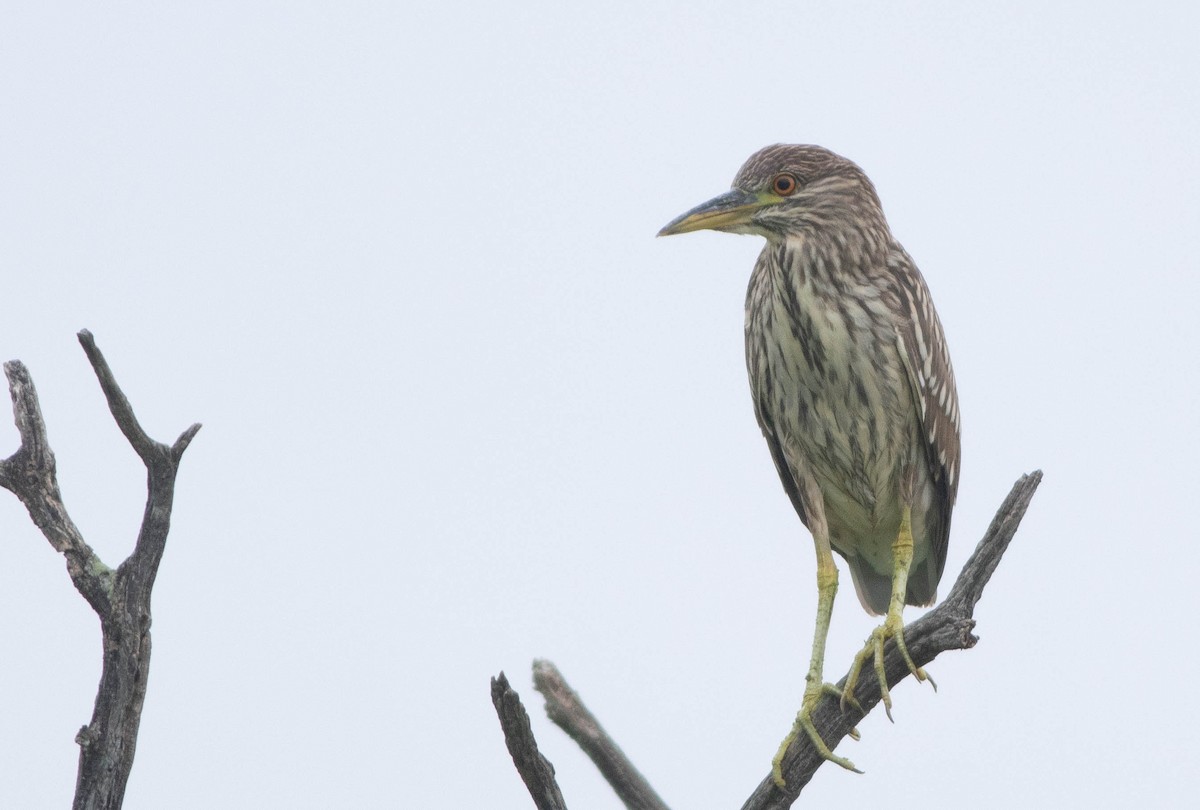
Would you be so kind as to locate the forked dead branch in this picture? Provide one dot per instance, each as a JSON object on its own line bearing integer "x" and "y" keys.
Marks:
{"x": 121, "y": 596}
{"x": 949, "y": 626}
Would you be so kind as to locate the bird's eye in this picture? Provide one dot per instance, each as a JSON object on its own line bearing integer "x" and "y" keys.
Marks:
{"x": 785, "y": 184}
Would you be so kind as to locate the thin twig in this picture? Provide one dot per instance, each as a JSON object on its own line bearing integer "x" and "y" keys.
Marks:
{"x": 118, "y": 404}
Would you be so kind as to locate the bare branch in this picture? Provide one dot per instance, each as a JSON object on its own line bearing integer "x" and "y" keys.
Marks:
{"x": 946, "y": 627}
{"x": 121, "y": 598}
{"x": 31, "y": 474}
{"x": 183, "y": 441}
{"x": 564, "y": 707}
{"x": 536, "y": 771}
{"x": 968, "y": 588}
{"x": 122, "y": 411}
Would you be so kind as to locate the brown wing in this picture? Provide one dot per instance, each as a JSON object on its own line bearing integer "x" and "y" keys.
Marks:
{"x": 927, "y": 361}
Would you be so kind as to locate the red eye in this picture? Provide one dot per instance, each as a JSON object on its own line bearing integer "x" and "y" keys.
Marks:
{"x": 784, "y": 185}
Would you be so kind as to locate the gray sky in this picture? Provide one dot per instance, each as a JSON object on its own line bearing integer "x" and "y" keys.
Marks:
{"x": 461, "y": 409}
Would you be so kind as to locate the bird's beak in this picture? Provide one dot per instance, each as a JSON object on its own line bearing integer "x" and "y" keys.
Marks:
{"x": 729, "y": 212}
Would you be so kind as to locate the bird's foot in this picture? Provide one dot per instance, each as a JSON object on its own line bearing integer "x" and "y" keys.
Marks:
{"x": 804, "y": 723}
{"x": 893, "y": 628}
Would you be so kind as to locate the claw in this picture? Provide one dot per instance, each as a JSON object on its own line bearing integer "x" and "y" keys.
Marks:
{"x": 846, "y": 697}
{"x": 804, "y": 723}
{"x": 893, "y": 628}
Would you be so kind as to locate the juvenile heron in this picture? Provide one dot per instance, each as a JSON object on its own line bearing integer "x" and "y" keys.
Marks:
{"x": 852, "y": 388}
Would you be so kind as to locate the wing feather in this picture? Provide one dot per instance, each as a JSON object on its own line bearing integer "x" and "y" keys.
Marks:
{"x": 927, "y": 361}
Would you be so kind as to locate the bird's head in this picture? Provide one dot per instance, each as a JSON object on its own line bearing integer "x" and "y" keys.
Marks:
{"x": 786, "y": 190}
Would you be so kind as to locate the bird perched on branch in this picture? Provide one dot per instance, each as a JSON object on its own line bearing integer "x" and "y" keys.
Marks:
{"x": 853, "y": 390}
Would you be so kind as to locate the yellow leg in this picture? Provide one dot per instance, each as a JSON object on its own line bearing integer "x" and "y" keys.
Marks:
{"x": 815, "y": 686}
{"x": 893, "y": 624}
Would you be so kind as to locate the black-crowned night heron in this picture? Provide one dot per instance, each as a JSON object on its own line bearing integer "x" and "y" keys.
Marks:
{"x": 852, "y": 388}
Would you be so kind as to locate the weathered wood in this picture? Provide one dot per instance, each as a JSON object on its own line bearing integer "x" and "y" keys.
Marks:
{"x": 536, "y": 771}
{"x": 121, "y": 598}
{"x": 564, "y": 707}
{"x": 949, "y": 626}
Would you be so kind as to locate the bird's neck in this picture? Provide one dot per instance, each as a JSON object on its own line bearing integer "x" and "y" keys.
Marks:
{"x": 832, "y": 255}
